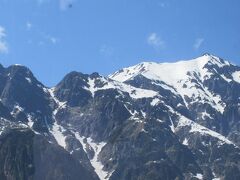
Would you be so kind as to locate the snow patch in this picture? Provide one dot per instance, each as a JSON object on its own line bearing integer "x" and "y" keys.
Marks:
{"x": 81, "y": 140}
{"x": 143, "y": 130}
{"x": 144, "y": 114}
{"x": 57, "y": 132}
{"x": 97, "y": 147}
{"x": 225, "y": 78}
{"x": 199, "y": 176}
{"x": 134, "y": 113}
{"x": 167, "y": 87}
{"x": 205, "y": 114}
{"x": 197, "y": 128}
{"x": 172, "y": 125}
{"x": 91, "y": 83}
{"x": 236, "y": 76}
{"x": 98, "y": 166}
{"x": 28, "y": 80}
{"x": 30, "y": 120}
{"x": 17, "y": 109}
{"x": 159, "y": 120}
{"x": 155, "y": 101}
{"x": 135, "y": 93}
{"x": 185, "y": 142}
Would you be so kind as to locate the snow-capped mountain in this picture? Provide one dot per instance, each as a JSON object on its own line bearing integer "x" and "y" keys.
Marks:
{"x": 150, "y": 121}
{"x": 183, "y": 78}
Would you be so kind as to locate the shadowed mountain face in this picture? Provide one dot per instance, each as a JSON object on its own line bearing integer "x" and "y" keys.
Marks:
{"x": 25, "y": 155}
{"x": 149, "y": 121}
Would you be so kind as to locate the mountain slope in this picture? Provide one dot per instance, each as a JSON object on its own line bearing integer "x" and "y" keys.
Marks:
{"x": 149, "y": 121}
{"x": 207, "y": 86}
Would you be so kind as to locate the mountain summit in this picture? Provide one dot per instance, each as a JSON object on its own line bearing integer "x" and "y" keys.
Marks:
{"x": 171, "y": 72}
{"x": 155, "y": 121}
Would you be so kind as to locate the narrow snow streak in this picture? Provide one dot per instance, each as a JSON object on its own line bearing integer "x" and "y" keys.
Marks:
{"x": 197, "y": 128}
{"x": 183, "y": 121}
{"x": 29, "y": 80}
{"x": 96, "y": 164}
{"x": 91, "y": 83}
{"x": 225, "y": 78}
{"x": 172, "y": 125}
{"x": 199, "y": 176}
{"x": 57, "y": 132}
{"x": 60, "y": 105}
{"x": 56, "y": 129}
{"x": 81, "y": 140}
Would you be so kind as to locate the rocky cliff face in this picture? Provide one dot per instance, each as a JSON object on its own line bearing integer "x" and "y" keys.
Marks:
{"x": 149, "y": 121}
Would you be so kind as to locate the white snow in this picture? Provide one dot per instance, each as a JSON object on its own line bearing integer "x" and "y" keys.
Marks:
{"x": 98, "y": 166}
{"x": 144, "y": 114}
{"x": 225, "y": 78}
{"x": 169, "y": 73}
{"x": 155, "y": 101}
{"x": 18, "y": 108}
{"x": 185, "y": 142}
{"x": 127, "y": 73}
{"x": 159, "y": 120}
{"x": 199, "y": 176}
{"x": 197, "y": 128}
{"x": 91, "y": 83}
{"x": 236, "y": 76}
{"x": 135, "y": 93}
{"x": 81, "y": 140}
{"x": 204, "y": 143}
{"x": 134, "y": 113}
{"x": 205, "y": 114}
{"x": 57, "y": 132}
{"x": 215, "y": 100}
{"x": 97, "y": 147}
{"x": 60, "y": 104}
{"x": 177, "y": 78}
{"x": 143, "y": 130}
{"x": 30, "y": 120}
{"x": 172, "y": 125}
{"x": 29, "y": 80}
{"x": 165, "y": 86}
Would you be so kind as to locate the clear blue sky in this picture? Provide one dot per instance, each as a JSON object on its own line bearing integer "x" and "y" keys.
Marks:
{"x": 54, "y": 37}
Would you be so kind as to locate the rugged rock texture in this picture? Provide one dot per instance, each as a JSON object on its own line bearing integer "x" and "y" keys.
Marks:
{"x": 149, "y": 121}
{"x": 25, "y": 155}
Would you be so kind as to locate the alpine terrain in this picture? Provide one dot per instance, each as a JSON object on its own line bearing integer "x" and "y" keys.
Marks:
{"x": 151, "y": 121}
